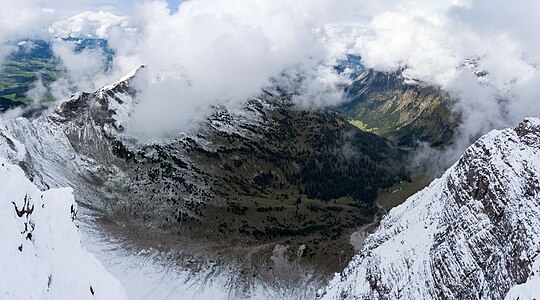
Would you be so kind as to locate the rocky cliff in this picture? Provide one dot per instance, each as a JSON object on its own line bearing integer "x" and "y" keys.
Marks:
{"x": 472, "y": 234}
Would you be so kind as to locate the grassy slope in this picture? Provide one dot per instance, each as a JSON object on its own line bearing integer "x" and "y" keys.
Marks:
{"x": 17, "y": 77}
{"x": 384, "y": 105}
{"x": 307, "y": 155}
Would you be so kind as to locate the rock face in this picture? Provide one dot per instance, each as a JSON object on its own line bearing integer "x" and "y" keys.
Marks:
{"x": 474, "y": 233}
{"x": 41, "y": 254}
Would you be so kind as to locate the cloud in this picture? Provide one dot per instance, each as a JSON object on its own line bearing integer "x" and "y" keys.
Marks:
{"x": 37, "y": 91}
{"x": 225, "y": 51}
{"x": 84, "y": 67}
{"x": 17, "y": 19}
{"x": 222, "y": 52}
{"x": 90, "y": 24}
{"x": 433, "y": 39}
{"x": 66, "y": 8}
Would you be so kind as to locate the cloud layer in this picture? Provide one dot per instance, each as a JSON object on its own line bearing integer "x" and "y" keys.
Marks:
{"x": 225, "y": 51}
{"x": 90, "y": 24}
{"x": 16, "y": 19}
{"x": 432, "y": 40}
{"x": 210, "y": 52}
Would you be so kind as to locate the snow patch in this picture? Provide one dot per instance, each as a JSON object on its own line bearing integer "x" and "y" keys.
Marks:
{"x": 42, "y": 256}
{"x": 474, "y": 233}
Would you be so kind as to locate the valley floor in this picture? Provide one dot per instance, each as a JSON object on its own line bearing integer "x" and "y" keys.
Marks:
{"x": 150, "y": 270}
{"x": 154, "y": 273}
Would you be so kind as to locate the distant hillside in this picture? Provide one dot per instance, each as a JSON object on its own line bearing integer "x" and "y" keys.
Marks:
{"x": 384, "y": 104}
{"x": 33, "y": 60}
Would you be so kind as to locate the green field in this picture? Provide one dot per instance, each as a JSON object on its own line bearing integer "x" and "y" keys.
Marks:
{"x": 397, "y": 194}
{"x": 17, "y": 77}
{"x": 362, "y": 126}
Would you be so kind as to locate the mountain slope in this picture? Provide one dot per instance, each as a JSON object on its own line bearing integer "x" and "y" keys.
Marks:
{"x": 41, "y": 254}
{"x": 406, "y": 112}
{"x": 241, "y": 182}
{"x": 472, "y": 234}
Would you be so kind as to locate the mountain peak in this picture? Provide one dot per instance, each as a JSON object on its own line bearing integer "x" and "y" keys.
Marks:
{"x": 110, "y": 105}
{"x": 126, "y": 78}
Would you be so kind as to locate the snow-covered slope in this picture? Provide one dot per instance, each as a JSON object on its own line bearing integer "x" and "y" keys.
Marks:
{"x": 41, "y": 256}
{"x": 472, "y": 234}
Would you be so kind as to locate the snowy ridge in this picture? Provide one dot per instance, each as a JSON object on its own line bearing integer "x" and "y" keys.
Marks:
{"x": 40, "y": 146}
{"x": 55, "y": 150}
{"x": 119, "y": 97}
{"x": 42, "y": 257}
{"x": 474, "y": 233}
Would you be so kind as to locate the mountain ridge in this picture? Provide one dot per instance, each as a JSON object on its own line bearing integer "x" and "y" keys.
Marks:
{"x": 242, "y": 181}
{"x": 472, "y": 234}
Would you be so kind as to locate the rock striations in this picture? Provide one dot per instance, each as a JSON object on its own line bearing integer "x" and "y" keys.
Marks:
{"x": 474, "y": 233}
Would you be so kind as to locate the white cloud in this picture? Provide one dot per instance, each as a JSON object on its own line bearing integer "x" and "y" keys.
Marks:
{"x": 432, "y": 39}
{"x": 225, "y": 51}
{"x": 18, "y": 19}
{"x": 90, "y": 24}
{"x": 37, "y": 91}
{"x": 85, "y": 68}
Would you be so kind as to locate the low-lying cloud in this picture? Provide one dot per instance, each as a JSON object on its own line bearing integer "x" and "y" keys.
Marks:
{"x": 222, "y": 52}
{"x": 17, "y": 18}
{"x": 433, "y": 39}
